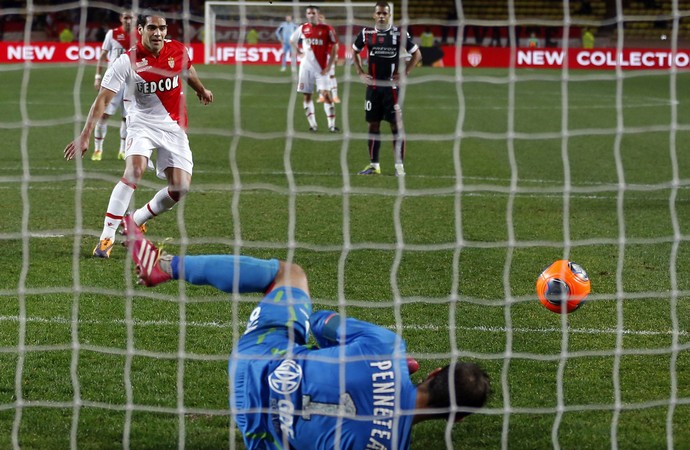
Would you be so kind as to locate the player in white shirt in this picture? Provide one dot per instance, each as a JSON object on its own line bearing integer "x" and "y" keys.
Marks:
{"x": 117, "y": 41}
{"x": 155, "y": 71}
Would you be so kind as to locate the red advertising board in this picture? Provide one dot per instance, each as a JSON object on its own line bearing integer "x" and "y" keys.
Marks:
{"x": 56, "y": 52}
{"x": 575, "y": 58}
{"x": 535, "y": 58}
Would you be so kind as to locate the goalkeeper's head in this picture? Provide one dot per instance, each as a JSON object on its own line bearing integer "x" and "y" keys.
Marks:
{"x": 452, "y": 392}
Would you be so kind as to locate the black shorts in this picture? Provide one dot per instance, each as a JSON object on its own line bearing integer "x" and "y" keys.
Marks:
{"x": 381, "y": 103}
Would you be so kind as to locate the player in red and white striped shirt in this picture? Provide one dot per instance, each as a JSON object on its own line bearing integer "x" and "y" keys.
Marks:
{"x": 157, "y": 119}
{"x": 319, "y": 47}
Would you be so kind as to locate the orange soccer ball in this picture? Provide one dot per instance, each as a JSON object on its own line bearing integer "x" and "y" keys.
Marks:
{"x": 563, "y": 282}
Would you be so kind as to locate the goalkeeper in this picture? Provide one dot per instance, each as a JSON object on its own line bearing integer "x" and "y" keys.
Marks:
{"x": 352, "y": 392}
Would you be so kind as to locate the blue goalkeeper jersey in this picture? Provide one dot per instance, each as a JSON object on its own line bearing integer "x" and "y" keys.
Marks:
{"x": 354, "y": 392}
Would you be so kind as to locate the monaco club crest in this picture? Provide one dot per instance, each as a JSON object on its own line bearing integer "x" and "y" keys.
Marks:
{"x": 474, "y": 57}
{"x": 171, "y": 62}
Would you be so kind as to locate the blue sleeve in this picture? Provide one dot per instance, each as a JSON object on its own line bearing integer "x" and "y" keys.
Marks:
{"x": 328, "y": 330}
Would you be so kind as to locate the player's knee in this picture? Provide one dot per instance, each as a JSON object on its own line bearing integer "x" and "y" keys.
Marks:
{"x": 374, "y": 127}
{"x": 177, "y": 192}
{"x": 291, "y": 274}
{"x": 133, "y": 171}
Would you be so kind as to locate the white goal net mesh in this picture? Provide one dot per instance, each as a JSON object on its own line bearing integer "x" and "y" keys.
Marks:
{"x": 535, "y": 131}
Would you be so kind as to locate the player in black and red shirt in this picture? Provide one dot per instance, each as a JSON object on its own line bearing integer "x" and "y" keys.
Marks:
{"x": 383, "y": 44}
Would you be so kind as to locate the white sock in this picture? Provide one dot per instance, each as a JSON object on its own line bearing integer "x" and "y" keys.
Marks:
{"x": 123, "y": 135}
{"x": 117, "y": 207}
{"x": 160, "y": 202}
{"x": 334, "y": 92}
{"x": 99, "y": 133}
{"x": 329, "y": 108}
{"x": 309, "y": 112}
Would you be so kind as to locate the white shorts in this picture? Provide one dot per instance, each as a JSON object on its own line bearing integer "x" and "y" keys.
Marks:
{"x": 117, "y": 103}
{"x": 308, "y": 78}
{"x": 172, "y": 148}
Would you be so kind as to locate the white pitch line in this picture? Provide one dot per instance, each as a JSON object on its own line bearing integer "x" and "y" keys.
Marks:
{"x": 411, "y": 327}
{"x": 46, "y": 235}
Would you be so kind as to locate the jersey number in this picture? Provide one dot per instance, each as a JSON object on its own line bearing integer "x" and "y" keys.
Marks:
{"x": 253, "y": 321}
{"x": 367, "y": 105}
{"x": 345, "y": 407}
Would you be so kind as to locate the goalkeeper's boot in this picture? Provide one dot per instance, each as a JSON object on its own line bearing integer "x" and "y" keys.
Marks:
{"x": 334, "y": 129}
{"x": 103, "y": 248}
{"x": 370, "y": 170}
{"x": 97, "y": 155}
{"x": 146, "y": 256}
{"x": 121, "y": 156}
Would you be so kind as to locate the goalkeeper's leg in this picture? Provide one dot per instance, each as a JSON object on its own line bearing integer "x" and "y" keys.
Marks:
{"x": 228, "y": 273}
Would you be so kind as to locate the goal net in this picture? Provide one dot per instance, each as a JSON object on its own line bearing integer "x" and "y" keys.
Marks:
{"x": 228, "y": 24}
{"x": 523, "y": 146}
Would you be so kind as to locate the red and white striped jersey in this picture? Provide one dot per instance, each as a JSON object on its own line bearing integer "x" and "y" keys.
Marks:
{"x": 317, "y": 41}
{"x": 155, "y": 83}
{"x": 117, "y": 41}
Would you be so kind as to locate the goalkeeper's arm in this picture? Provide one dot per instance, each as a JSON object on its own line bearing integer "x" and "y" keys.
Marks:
{"x": 328, "y": 330}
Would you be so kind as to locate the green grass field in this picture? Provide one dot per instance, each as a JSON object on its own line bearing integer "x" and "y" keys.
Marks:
{"x": 496, "y": 190}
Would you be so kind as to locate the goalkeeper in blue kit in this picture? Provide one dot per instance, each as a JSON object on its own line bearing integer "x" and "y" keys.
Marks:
{"x": 352, "y": 391}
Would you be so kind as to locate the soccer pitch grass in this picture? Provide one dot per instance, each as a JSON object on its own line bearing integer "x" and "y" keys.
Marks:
{"x": 448, "y": 256}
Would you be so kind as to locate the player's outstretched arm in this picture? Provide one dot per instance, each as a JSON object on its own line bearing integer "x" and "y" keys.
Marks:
{"x": 80, "y": 145}
{"x": 204, "y": 95}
